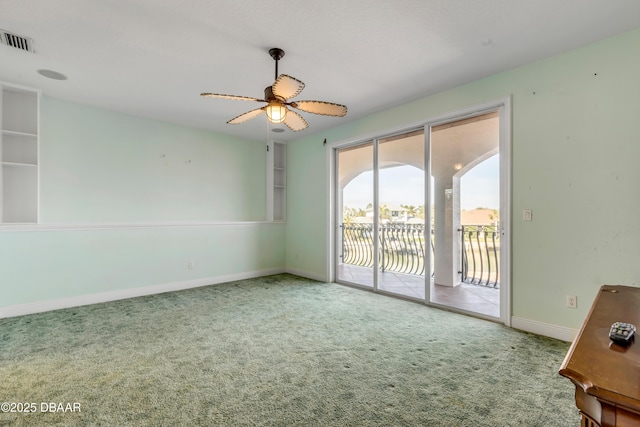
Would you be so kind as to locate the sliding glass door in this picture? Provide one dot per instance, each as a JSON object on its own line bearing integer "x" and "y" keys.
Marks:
{"x": 355, "y": 200}
{"x": 401, "y": 213}
{"x": 465, "y": 166}
{"x": 382, "y": 238}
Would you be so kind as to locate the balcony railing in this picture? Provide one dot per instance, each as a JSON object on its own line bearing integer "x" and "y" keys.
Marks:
{"x": 480, "y": 255}
{"x": 402, "y": 250}
{"x": 402, "y": 247}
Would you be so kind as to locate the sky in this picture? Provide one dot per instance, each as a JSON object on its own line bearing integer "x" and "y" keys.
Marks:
{"x": 404, "y": 185}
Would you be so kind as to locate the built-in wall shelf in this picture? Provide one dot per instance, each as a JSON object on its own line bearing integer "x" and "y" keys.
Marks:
{"x": 19, "y": 144}
{"x": 276, "y": 181}
{"x": 14, "y": 164}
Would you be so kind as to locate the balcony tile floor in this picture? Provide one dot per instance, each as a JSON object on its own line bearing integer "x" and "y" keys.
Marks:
{"x": 473, "y": 298}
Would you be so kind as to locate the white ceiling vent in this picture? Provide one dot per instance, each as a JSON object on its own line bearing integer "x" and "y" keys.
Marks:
{"x": 14, "y": 40}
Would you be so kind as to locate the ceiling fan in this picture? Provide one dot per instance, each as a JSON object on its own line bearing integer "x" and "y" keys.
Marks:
{"x": 277, "y": 97}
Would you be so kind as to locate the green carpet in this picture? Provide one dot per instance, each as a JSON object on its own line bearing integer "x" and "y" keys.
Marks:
{"x": 278, "y": 351}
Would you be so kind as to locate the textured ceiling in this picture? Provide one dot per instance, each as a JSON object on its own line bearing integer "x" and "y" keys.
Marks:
{"x": 153, "y": 58}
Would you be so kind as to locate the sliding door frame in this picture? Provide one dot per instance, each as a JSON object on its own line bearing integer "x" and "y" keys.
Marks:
{"x": 503, "y": 106}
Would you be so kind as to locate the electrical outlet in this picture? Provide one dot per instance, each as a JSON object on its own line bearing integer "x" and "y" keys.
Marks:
{"x": 572, "y": 301}
{"x": 191, "y": 265}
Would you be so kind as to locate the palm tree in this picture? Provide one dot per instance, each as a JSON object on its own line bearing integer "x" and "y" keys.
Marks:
{"x": 412, "y": 211}
{"x": 384, "y": 212}
{"x": 494, "y": 215}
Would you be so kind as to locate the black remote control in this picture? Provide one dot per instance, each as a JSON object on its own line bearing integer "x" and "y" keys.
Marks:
{"x": 621, "y": 332}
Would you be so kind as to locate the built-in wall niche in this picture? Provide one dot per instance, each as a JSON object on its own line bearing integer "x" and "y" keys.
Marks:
{"x": 19, "y": 131}
{"x": 276, "y": 181}
{"x": 279, "y": 181}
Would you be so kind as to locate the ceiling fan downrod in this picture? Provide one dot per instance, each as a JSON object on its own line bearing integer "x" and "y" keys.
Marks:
{"x": 276, "y": 54}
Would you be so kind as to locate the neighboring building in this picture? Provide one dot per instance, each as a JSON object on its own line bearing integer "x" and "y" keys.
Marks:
{"x": 479, "y": 217}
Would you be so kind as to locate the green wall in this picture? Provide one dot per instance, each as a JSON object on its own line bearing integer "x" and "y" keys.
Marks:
{"x": 98, "y": 166}
{"x": 126, "y": 203}
{"x": 49, "y": 264}
{"x": 575, "y": 150}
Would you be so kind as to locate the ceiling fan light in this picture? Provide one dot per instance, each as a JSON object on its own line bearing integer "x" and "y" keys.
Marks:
{"x": 276, "y": 112}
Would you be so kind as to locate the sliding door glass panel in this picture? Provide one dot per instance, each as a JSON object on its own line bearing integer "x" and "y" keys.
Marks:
{"x": 355, "y": 237}
{"x": 465, "y": 208}
{"x": 402, "y": 242}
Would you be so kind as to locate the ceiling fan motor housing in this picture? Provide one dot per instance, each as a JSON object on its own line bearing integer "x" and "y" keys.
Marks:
{"x": 269, "y": 95}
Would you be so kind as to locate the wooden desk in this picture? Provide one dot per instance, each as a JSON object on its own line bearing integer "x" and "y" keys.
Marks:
{"x": 606, "y": 374}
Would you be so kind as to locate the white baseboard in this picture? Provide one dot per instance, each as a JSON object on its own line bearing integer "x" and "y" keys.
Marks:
{"x": 305, "y": 274}
{"x": 59, "y": 303}
{"x": 546, "y": 329}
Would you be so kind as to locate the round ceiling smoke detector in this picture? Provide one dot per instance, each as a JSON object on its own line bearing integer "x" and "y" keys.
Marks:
{"x": 50, "y": 74}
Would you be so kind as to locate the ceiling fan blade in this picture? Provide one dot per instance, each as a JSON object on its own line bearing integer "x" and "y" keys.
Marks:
{"x": 246, "y": 116}
{"x": 287, "y": 87}
{"x": 321, "y": 107}
{"x": 233, "y": 97}
{"x": 295, "y": 121}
